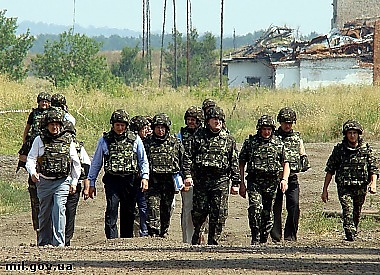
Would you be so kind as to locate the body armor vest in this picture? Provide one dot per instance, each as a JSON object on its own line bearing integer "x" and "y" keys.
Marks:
{"x": 265, "y": 156}
{"x": 292, "y": 144}
{"x": 121, "y": 159}
{"x": 56, "y": 160}
{"x": 163, "y": 155}
{"x": 35, "y": 128}
{"x": 353, "y": 168}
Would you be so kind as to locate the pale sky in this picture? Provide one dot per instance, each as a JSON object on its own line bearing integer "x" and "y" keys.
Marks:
{"x": 242, "y": 15}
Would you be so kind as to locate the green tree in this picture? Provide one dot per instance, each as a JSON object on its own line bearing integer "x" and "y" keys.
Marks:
{"x": 131, "y": 69}
{"x": 202, "y": 59}
{"x": 13, "y": 48}
{"x": 73, "y": 59}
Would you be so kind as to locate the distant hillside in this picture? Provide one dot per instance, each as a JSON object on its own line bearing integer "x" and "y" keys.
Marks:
{"x": 44, "y": 28}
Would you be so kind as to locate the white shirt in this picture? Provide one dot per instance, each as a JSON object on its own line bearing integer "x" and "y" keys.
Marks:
{"x": 38, "y": 150}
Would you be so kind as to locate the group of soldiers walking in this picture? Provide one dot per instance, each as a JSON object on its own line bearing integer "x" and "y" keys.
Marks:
{"x": 145, "y": 163}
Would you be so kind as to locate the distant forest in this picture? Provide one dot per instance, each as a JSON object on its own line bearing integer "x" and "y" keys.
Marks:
{"x": 117, "y": 39}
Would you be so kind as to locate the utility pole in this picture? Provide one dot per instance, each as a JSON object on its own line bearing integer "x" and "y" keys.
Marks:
{"x": 162, "y": 44}
{"x": 175, "y": 46}
{"x": 221, "y": 46}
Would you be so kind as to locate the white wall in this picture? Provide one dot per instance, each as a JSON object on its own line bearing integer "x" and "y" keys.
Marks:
{"x": 287, "y": 75}
{"x": 238, "y": 71}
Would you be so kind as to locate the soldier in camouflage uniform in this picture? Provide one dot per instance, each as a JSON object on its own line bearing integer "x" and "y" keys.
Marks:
{"x": 264, "y": 155}
{"x": 59, "y": 101}
{"x": 193, "y": 120}
{"x": 354, "y": 165}
{"x": 141, "y": 126}
{"x": 210, "y": 161}
{"x": 164, "y": 152}
{"x": 124, "y": 155}
{"x": 298, "y": 162}
{"x": 31, "y": 131}
{"x": 54, "y": 166}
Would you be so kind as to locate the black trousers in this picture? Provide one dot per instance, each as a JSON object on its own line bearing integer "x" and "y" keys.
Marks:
{"x": 293, "y": 212}
{"x": 119, "y": 190}
{"x": 71, "y": 211}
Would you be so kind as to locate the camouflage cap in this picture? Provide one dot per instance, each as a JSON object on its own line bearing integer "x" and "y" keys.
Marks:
{"x": 58, "y": 100}
{"x": 161, "y": 119}
{"x": 54, "y": 115}
{"x": 138, "y": 122}
{"x": 215, "y": 112}
{"x": 208, "y": 103}
{"x": 196, "y": 112}
{"x": 352, "y": 125}
{"x": 265, "y": 120}
{"x": 119, "y": 115}
{"x": 287, "y": 114}
{"x": 43, "y": 96}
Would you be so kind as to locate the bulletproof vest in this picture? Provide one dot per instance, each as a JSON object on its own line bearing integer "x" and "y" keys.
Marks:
{"x": 353, "y": 169}
{"x": 186, "y": 133}
{"x": 265, "y": 155}
{"x": 212, "y": 151}
{"x": 121, "y": 159}
{"x": 78, "y": 147}
{"x": 38, "y": 117}
{"x": 56, "y": 160}
{"x": 292, "y": 144}
{"x": 163, "y": 155}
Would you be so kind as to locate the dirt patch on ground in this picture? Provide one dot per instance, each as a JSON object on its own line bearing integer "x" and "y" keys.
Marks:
{"x": 91, "y": 253}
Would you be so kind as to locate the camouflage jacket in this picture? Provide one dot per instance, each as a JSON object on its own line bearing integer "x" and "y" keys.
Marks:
{"x": 37, "y": 120}
{"x": 164, "y": 155}
{"x": 292, "y": 142}
{"x": 352, "y": 166}
{"x": 212, "y": 155}
{"x": 264, "y": 157}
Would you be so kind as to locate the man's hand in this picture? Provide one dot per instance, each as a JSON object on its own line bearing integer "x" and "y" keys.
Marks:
{"x": 242, "y": 190}
{"x": 35, "y": 178}
{"x": 372, "y": 187}
{"x": 188, "y": 183}
{"x": 283, "y": 185}
{"x": 73, "y": 189}
{"x": 144, "y": 185}
{"x": 325, "y": 196}
{"x": 86, "y": 189}
{"x": 92, "y": 192}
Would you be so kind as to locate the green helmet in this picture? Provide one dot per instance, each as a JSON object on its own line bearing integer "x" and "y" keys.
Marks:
{"x": 54, "y": 115}
{"x": 138, "y": 122}
{"x": 161, "y": 119}
{"x": 265, "y": 120}
{"x": 208, "y": 103}
{"x": 119, "y": 116}
{"x": 287, "y": 114}
{"x": 352, "y": 125}
{"x": 196, "y": 112}
{"x": 43, "y": 96}
{"x": 58, "y": 100}
{"x": 215, "y": 112}
{"x": 68, "y": 126}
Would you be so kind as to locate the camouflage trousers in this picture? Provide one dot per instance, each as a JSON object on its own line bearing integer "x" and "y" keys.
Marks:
{"x": 210, "y": 198}
{"x": 261, "y": 196}
{"x": 159, "y": 198}
{"x": 34, "y": 202}
{"x": 351, "y": 198}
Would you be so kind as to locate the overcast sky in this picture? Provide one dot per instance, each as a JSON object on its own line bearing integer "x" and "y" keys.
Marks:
{"x": 242, "y": 15}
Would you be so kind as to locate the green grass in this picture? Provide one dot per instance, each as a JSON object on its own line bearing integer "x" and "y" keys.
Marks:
{"x": 14, "y": 198}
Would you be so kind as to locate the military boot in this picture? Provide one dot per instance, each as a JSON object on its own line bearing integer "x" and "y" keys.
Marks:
{"x": 255, "y": 237}
{"x": 195, "y": 240}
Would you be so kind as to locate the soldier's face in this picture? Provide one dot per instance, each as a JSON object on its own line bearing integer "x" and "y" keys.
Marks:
{"x": 191, "y": 122}
{"x": 43, "y": 104}
{"x": 353, "y": 136}
{"x": 266, "y": 131}
{"x": 54, "y": 128}
{"x": 160, "y": 130}
{"x": 215, "y": 124}
{"x": 286, "y": 126}
{"x": 119, "y": 127}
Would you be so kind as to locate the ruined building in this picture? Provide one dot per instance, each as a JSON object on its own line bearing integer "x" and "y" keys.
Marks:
{"x": 354, "y": 11}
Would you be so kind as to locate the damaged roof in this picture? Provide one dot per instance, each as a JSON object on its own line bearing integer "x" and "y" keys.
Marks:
{"x": 281, "y": 44}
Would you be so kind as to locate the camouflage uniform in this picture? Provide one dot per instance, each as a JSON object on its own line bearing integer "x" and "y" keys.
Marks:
{"x": 211, "y": 160}
{"x": 353, "y": 168}
{"x": 164, "y": 155}
{"x": 292, "y": 141}
{"x": 264, "y": 158}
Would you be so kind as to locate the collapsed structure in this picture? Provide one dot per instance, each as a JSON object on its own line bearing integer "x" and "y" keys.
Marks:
{"x": 279, "y": 60}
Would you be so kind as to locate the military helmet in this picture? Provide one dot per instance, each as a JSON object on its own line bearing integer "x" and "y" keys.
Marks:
{"x": 352, "y": 125}
{"x": 43, "y": 96}
{"x": 265, "y": 120}
{"x": 287, "y": 114}
{"x": 161, "y": 119}
{"x": 215, "y": 112}
{"x": 68, "y": 126}
{"x": 196, "y": 112}
{"x": 58, "y": 100}
{"x": 119, "y": 116}
{"x": 208, "y": 103}
{"x": 138, "y": 122}
{"x": 54, "y": 115}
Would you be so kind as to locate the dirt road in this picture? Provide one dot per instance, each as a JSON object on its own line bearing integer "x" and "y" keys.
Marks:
{"x": 91, "y": 253}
